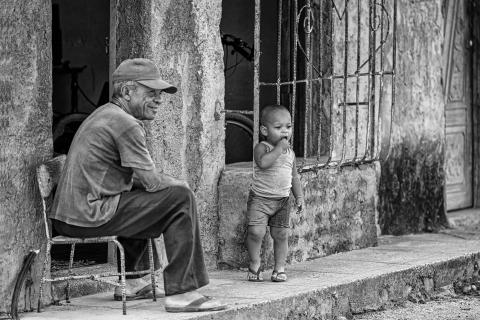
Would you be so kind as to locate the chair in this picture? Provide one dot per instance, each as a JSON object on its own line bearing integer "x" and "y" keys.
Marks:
{"x": 48, "y": 174}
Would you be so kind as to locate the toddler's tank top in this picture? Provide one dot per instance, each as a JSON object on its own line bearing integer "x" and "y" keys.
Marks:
{"x": 276, "y": 181}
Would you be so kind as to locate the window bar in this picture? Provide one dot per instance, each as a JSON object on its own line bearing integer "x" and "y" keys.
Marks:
{"x": 371, "y": 51}
{"x": 345, "y": 83}
{"x": 294, "y": 66}
{"x": 332, "y": 82}
{"x": 256, "y": 74}
{"x": 357, "y": 89}
{"x": 279, "y": 47}
{"x": 380, "y": 93}
{"x": 352, "y": 75}
{"x": 308, "y": 86}
{"x": 373, "y": 69}
{"x": 320, "y": 27}
{"x": 394, "y": 59}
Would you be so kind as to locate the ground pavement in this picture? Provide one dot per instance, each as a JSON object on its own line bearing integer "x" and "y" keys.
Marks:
{"x": 399, "y": 269}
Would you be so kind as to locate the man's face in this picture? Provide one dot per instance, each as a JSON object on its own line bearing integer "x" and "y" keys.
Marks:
{"x": 144, "y": 102}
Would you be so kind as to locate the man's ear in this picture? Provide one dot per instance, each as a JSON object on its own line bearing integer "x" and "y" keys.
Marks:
{"x": 125, "y": 90}
{"x": 263, "y": 130}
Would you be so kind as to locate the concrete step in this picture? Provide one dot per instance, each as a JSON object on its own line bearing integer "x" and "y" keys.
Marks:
{"x": 399, "y": 268}
{"x": 465, "y": 222}
{"x": 79, "y": 288}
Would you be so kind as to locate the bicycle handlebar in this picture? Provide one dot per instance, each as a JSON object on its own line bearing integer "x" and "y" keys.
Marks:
{"x": 238, "y": 45}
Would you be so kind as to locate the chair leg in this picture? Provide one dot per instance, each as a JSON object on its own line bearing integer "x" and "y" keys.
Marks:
{"x": 122, "y": 276}
{"x": 44, "y": 275}
{"x": 152, "y": 268}
{"x": 70, "y": 265}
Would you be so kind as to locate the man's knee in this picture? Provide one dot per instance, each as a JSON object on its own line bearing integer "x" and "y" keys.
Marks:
{"x": 182, "y": 193}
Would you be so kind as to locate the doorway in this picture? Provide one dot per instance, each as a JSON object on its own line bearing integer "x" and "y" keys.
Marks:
{"x": 80, "y": 44}
{"x": 458, "y": 107}
{"x": 80, "y": 74}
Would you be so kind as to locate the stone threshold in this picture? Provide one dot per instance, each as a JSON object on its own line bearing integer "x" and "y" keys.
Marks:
{"x": 399, "y": 268}
{"x": 83, "y": 287}
{"x": 464, "y": 218}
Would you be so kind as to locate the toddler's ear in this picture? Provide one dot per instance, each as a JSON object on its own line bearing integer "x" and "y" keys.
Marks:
{"x": 263, "y": 130}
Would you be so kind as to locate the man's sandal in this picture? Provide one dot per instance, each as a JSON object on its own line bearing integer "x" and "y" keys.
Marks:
{"x": 143, "y": 293}
{"x": 254, "y": 276}
{"x": 278, "y": 276}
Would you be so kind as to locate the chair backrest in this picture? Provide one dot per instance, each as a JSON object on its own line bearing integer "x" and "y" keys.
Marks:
{"x": 48, "y": 174}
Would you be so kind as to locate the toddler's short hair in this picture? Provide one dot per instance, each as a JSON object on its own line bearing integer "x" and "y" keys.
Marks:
{"x": 267, "y": 110}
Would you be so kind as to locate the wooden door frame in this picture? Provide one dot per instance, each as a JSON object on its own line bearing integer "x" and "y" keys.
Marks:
{"x": 474, "y": 9}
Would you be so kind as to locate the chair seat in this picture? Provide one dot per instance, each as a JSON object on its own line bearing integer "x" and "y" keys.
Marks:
{"x": 69, "y": 240}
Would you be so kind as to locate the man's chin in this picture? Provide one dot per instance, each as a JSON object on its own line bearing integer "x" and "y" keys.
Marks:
{"x": 149, "y": 115}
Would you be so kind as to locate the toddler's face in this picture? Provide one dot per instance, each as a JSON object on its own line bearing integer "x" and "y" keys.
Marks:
{"x": 278, "y": 126}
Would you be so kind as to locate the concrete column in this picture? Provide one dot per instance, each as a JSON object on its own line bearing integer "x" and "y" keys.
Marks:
{"x": 187, "y": 137}
{"x": 413, "y": 180}
{"x": 25, "y": 136}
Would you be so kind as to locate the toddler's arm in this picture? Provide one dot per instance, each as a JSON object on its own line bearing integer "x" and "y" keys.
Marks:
{"x": 297, "y": 189}
{"x": 265, "y": 159}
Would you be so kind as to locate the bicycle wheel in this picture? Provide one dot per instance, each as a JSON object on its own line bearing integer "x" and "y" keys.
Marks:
{"x": 65, "y": 129}
{"x": 240, "y": 120}
{"x": 238, "y": 138}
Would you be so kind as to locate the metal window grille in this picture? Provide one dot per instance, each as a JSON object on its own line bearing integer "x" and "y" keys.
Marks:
{"x": 335, "y": 71}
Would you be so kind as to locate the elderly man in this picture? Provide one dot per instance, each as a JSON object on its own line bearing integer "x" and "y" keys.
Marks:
{"x": 97, "y": 194}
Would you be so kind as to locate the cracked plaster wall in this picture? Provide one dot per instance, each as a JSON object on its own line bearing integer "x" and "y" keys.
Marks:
{"x": 25, "y": 136}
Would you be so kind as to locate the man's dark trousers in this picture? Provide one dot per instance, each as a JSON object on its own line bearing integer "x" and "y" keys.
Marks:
{"x": 142, "y": 215}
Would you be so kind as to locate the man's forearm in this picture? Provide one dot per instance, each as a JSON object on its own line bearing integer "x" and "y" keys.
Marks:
{"x": 165, "y": 182}
{"x": 153, "y": 181}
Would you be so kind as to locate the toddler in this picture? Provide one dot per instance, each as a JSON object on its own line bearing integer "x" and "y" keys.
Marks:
{"x": 275, "y": 174}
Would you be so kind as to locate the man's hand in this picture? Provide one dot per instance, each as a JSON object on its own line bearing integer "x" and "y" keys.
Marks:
{"x": 169, "y": 181}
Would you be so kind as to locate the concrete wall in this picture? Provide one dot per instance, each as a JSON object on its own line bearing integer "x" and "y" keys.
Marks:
{"x": 341, "y": 214}
{"x": 412, "y": 181}
{"x": 25, "y": 135}
{"x": 186, "y": 139}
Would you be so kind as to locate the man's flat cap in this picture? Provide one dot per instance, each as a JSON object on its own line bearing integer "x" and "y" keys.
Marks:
{"x": 143, "y": 71}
